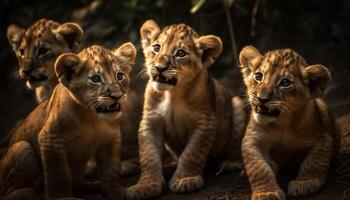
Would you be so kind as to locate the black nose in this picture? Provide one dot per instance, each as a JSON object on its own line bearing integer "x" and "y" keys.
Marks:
{"x": 161, "y": 69}
{"x": 115, "y": 97}
{"x": 27, "y": 71}
{"x": 264, "y": 100}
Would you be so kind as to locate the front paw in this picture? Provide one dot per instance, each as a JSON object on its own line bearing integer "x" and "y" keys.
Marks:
{"x": 304, "y": 187}
{"x": 186, "y": 184}
{"x": 270, "y": 195}
{"x": 144, "y": 190}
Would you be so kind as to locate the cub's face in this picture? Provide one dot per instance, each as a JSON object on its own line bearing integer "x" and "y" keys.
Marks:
{"x": 279, "y": 83}
{"x": 98, "y": 78}
{"x": 176, "y": 54}
{"x": 39, "y": 45}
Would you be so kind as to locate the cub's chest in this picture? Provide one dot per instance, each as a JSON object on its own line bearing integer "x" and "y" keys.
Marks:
{"x": 291, "y": 140}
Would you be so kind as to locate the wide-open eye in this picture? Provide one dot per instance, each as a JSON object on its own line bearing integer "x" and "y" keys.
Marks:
{"x": 42, "y": 51}
{"x": 286, "y": 83}
{"x": 258, "y": 76}
{"x": 156, "y": 48}
{"x": 120, "y": 77}
{"x": 96, "y": 79}
{"x": 181, "y": 53}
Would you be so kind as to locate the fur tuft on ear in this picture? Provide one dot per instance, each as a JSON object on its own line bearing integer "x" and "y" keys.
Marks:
{"x": 249, "y": 58}
{"x": 149, "y": 33}
{"x": 71, "y": 33}
{"x": 127, "y": 53}
{"x": 15, "y": 36}
{"x": 66, "y": 66}
{"x": 319, "y": 77}
{"x": 211, "y": 47}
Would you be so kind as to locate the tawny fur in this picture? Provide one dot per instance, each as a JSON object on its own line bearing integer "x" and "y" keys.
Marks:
{"x": 301, "y": 136}
{"x": 193, "y": 117}
{"x": 35, "y": 65}
{"x": 38, "y": 71}
{"x": 53, "y": 144}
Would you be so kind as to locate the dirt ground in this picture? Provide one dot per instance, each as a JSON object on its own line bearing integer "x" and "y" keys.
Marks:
{"x": 317, "y": 29}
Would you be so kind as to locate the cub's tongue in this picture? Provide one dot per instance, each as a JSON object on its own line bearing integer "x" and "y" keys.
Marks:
{"x": 262, "y": 109}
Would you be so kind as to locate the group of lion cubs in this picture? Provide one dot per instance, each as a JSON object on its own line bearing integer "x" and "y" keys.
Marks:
{"x": 84, "y": 102}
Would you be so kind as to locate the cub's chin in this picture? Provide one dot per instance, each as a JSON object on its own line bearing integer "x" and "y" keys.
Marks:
{"x": 161, "y": 86}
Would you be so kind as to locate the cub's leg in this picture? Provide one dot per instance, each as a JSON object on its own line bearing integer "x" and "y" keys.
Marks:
{"x": 108, "y": 158}
{"x": 260, "y": 168}
{"x": 150, "y": 151}
{"x": 57, "y": 174}
{"x": 188, "y": 174}
{"x": 313, "y": 170}
{"x": 19, "y": 172}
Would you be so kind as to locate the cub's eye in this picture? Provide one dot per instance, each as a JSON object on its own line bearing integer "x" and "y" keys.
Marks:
{"x": 181, "y": 53}
{"x": 21, "y": 51}
{"x": 258, "y": 76}
{"x": 285, "y": 83}
{"x": 96, "y": 79}
{"x": 120, "y": 76}
{"x": 156, "y": 48}
{"x": 43, "y": 51}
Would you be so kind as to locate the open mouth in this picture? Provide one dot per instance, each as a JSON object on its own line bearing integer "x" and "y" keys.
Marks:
{"x": 263, "y": 110}
{"x": 115, "y": 107}
{"x": 162, "y": 79}
{"x": 37, "y": 79}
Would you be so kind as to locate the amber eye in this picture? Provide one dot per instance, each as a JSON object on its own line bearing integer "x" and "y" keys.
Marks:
{"x": 120, "y": 77}
{"x": 156, "y": 48}
{"x": 181, "y": 53}
{"x": 96, "y": 79}
{"x": 258, "y": 76}
{"x": 285, "y": 83}
{"x": 43, "y": 51}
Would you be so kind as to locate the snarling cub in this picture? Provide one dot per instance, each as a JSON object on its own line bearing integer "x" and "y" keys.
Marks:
{"x": 37, "y": 48}
{"x": 290, "y": 123}
{"x": 184, "y": 107}
{"x": 80, "y": 121}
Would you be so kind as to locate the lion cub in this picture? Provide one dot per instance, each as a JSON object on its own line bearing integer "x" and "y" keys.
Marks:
{"x": 37, "y": 48}
{"x": 290, "y": 122}
{"x": 81, "y": 120}
{"x": 185, "y": 108}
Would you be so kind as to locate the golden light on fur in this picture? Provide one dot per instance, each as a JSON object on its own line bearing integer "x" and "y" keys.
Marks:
{"x": 289, "y": 119}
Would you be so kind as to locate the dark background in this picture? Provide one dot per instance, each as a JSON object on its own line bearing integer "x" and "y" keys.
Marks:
{"x": 318, "y": 29}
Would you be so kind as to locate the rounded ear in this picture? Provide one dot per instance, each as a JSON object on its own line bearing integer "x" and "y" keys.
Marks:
{"x": 15, "y": 36}
{"x": 319, "y": 77}
{"x": 127, "y": 53}
{"x": 211, "y": 47}
{"x": 71, "y": 33}
{"x": 149, "y": 32}
{"x": 66, "y": 66}
{"x": 250, "y": 59}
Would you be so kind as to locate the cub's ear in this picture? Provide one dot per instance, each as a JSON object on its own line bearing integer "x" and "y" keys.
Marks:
{"x": 249, "y": 59}
{"x": 15, "y": 36}
{"x": 127, "y": 53}
{"x": 71, "y": 33}
{"x": 319, "y": 77}
{"x": 149, "y": 33}
{"x": 66, "y": 66}
{"x": 211, "y": 47}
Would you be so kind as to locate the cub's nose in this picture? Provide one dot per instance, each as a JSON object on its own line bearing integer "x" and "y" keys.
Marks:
{"x": 161, "y": 69}
{"x": 26, "y": 71}
{"x": 264, "y": 100}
